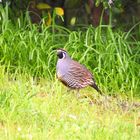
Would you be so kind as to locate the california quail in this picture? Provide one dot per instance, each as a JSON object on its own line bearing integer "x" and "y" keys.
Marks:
{"x": 73, "y": 74}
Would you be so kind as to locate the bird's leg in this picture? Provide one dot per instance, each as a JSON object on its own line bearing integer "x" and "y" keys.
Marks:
{"x": 76, "y": 92}
{"x": 68, "y": 90}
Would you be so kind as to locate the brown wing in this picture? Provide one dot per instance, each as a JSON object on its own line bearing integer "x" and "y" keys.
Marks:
{"x": 81, "y": 75}
{"x": 77, "y": 76}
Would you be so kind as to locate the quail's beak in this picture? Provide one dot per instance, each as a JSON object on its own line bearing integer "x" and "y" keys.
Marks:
{"x": 57, "y": 52}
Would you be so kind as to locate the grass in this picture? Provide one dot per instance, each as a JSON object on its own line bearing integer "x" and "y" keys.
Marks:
{"x": 34, "y": 105}
{"x": 111, "y": 55}
{"x": 45, "y": 110}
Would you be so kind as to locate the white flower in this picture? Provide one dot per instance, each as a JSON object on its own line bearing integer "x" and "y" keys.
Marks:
{"x": 19, "y": 129}
{"x": 72, "y": 116}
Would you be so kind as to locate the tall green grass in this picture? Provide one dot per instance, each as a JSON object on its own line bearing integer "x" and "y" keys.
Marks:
{"x": 111, "y": 54}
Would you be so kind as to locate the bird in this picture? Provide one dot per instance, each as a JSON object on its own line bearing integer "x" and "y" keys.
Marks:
{"x": 73, "y": 74}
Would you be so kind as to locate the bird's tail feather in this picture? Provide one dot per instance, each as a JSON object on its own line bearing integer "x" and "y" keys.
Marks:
{"x": 96, "y": 87}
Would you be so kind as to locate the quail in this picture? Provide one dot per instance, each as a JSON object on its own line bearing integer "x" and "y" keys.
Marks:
{"x": 72, "y": 74}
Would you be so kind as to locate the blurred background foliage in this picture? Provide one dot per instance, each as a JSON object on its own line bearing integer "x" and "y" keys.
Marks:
{"x": 77, "y": 12}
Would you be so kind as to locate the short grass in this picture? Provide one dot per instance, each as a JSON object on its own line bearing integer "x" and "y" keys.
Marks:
{"x": 42, "y": 109}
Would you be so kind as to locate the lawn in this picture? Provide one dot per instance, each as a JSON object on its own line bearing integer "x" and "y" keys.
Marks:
{"x": 32, "y": 109}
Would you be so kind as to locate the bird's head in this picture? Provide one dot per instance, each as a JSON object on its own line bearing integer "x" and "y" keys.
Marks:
{"x": 62, "y": 54}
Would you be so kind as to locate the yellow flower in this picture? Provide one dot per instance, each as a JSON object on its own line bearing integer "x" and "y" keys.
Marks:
{"x": 59, "y": 11}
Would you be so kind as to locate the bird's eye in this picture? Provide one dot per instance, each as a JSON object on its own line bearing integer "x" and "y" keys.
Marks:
{"x": 61, "y": 55}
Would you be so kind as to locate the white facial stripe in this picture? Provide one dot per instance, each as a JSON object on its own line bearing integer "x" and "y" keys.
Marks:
{"x": 64, "y": 54}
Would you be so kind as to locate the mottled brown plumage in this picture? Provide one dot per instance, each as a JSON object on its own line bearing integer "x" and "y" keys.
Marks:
{"x": 73, "y": 74}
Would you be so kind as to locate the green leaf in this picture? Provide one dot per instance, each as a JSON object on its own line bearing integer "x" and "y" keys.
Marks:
{"x": 42, "y": 6}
